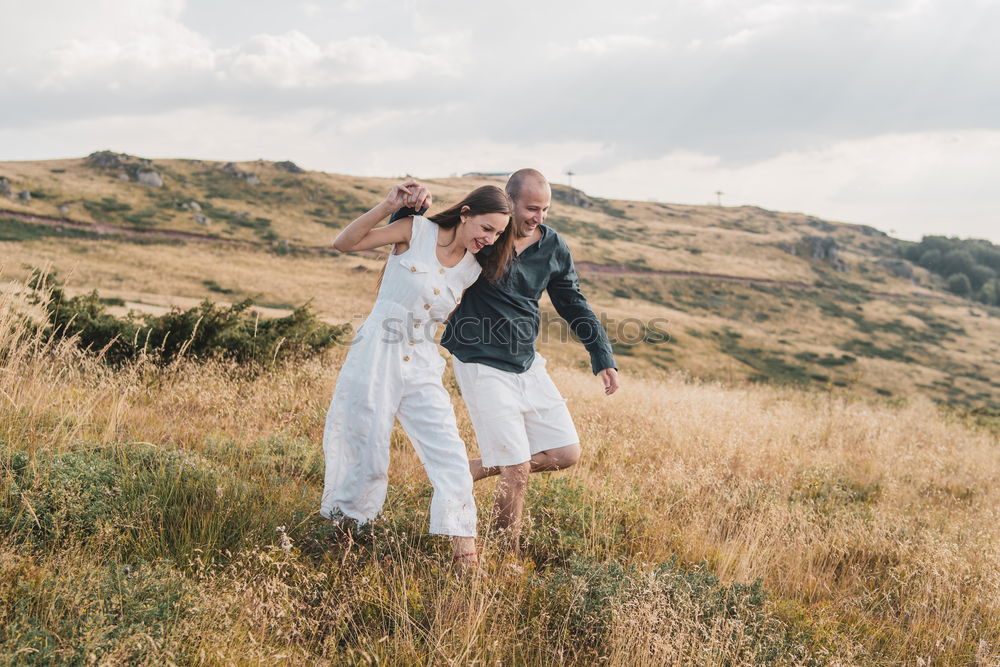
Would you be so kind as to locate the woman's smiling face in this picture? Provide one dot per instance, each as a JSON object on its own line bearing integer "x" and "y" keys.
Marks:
{"x": 479, "y": 231}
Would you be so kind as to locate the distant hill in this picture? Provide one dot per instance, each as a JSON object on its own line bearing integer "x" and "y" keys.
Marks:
{"x": 742, "y": 293}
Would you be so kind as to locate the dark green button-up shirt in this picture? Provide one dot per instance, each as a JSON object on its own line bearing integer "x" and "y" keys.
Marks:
{"x": 497, "y": 323}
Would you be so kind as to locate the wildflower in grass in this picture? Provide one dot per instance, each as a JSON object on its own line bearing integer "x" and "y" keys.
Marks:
{"x": 286, "y": 541}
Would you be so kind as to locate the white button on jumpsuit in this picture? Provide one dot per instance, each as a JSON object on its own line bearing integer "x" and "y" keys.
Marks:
{"x": 393, "y": 369}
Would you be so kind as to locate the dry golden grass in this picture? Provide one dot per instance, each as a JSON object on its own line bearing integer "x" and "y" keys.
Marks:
{"x": 872, "y": 527}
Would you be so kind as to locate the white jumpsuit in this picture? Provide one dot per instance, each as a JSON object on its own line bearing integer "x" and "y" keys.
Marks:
{"x": 393, "y": 369}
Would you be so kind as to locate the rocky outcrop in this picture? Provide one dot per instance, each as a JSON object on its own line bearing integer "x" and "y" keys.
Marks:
{"x": 149, "y": 176}
{"x": 290, "y": 167}
{"x": 818, "y": 249}
{"x": 24, "y": 195}
{"x": 107, "y": 159}
{"x": 572, "y": 196}
{"x": 234, "y": 171}
{"x": 126, "y": 167}
{"x": 821, "y": 225}
{"x": 871, "y": 231}
{"x": 5, "y": 190}
{"x": 822, "y": 247}
{"x": 898, "y": 267}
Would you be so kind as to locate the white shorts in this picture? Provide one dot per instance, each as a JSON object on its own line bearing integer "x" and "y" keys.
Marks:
{"x": 515, "y": 415}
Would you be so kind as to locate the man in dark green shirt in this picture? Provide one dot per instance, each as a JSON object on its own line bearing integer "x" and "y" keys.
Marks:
{"x": 521, "y": 421}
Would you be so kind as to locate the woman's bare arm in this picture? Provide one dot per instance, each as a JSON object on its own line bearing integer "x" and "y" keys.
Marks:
{"x": 361, "y": 233}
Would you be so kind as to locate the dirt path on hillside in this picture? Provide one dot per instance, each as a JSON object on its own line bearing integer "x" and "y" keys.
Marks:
{"x": 105, "y": 229}
{"x": 618, "y": 269}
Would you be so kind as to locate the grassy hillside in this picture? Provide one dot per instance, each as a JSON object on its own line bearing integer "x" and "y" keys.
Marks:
{"x": 781, "y": 481}
{"x": 156, "y": 515}
{"x": 743, "y": 293}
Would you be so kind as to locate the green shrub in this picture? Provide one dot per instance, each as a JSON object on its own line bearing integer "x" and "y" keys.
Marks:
{"x": 990, "y": 293}
{"x": 567, "y": 518}
{"x": 976, "y": 259}
{"x": 578, "y": 599}
{"x": 205, "y": 331}
{"x": 958, "y": 283}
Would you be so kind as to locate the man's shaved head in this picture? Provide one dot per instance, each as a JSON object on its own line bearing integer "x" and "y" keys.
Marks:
{"x": 532, "y": 195}
{"x": 522, "y": 177}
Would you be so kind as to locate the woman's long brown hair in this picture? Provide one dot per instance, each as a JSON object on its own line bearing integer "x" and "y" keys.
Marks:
{"x": 485, "y": 199}
{"x": 482, "y": 200}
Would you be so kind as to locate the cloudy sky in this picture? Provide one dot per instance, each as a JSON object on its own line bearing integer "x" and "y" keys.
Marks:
{"x": 884, "y": 112}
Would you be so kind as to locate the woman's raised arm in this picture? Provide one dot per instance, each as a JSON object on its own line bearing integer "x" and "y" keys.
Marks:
{"x": 361, "y": 233}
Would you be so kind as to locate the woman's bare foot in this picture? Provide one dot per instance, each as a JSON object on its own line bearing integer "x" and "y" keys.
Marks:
{"x": 467, "y": 563}
{"x": 466, "y": 558}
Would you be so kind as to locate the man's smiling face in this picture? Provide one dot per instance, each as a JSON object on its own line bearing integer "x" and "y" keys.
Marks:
{"x": 531, "y": 207}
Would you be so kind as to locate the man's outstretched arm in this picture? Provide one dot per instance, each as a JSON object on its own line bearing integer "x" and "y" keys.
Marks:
{"x": 572, "y": 306}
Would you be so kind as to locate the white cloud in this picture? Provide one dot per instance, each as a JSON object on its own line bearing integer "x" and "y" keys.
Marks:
{"x": 738, "y": 38}
{"x": 293, "y": 60}
{"x": 610, "y": 43}
{"x": 146, "y": 54}
{"x": 913, "y": 184}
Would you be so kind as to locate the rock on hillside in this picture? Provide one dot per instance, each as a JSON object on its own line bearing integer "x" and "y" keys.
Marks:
{"x": 571, "y": 196}
{"x": 818, "y": 248}
{"x": 149, "y": 176}
{"x": 128, "y": 167}
{"x": 231, "y": 169}
{"x": 290, "y": 167}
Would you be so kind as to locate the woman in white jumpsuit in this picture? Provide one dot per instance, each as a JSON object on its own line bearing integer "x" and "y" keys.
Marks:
{"x": 393, "y": 368}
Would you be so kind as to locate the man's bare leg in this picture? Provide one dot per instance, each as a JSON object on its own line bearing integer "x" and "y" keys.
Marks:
{"x": 559, "y": 458}
{"x": 509, "y": 504}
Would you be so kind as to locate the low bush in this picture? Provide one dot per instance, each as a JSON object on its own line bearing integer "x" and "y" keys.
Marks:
{"x": 568, "y": 518}
{"x": 205, "y": 331}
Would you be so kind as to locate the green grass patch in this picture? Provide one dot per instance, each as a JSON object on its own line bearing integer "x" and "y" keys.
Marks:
{"x": 867, "y": 348}
{"x": 107, "y": 209}
{"x": 12, "y": 229}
